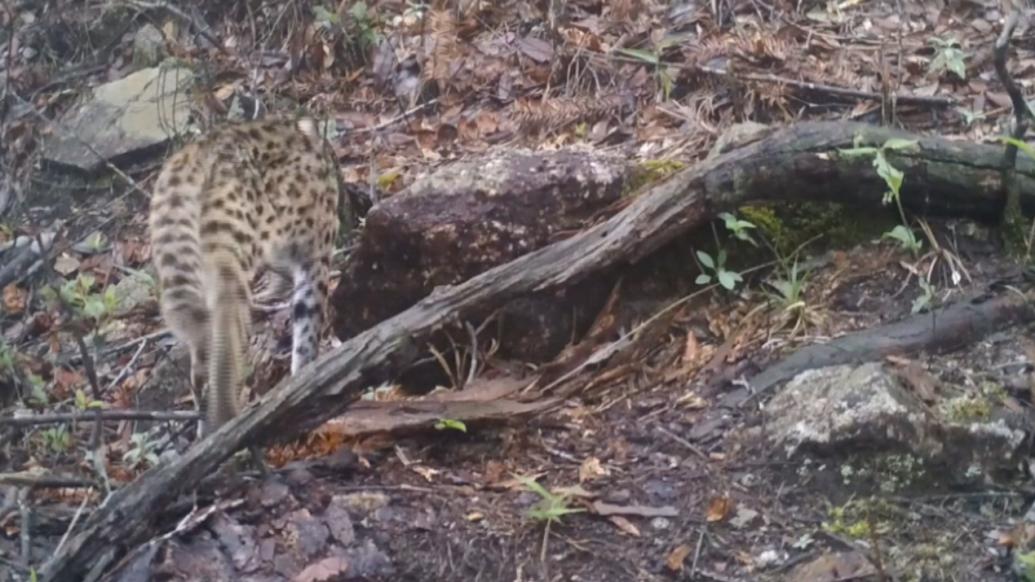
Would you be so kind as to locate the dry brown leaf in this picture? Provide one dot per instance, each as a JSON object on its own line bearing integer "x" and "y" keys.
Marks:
{"x": 591, "y": 469}
{"x": 624, "y": 525}
{"x": 66, "y": 381}
{"x": 674, "y": 560}
{"x": 428, "y": 473}
{"x": 332, "y": 568}
{"x": 494, "y": 471}
{"x": 66, "y": 264}
{"x": 692, "y": 400}
{"x": 692, "y": 349}
{"x": 719, "y": 508}
{"x": 575, "y": 491}
{"x": 14, "y": 299}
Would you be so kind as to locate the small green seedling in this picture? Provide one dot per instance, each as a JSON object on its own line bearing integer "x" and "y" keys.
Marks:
{"x": 739, "y": 228}
{"x": 949, "y": 57}
{"x": 552, "y": 507}
{"x": 141, "y": 453}
{"x": 450, "y": 424}
{"x": 728, "y": 279}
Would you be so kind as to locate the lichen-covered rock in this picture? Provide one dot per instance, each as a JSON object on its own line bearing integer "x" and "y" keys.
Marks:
{"x": 125, "y": 118}
{"x": 469, "y": 217}
{"x": 843, "y": 410}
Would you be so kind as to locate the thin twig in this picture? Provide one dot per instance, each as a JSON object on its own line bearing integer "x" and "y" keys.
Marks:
{"x": 96, "y": 444}
{"x": 768, "y": 78}
{"x": 107, "y": 415}
{"x": 1021, "y": 111}
{"x": 71, "y": 526}
{"x": 697, "y": 553}
{"x": 26, "y": 527}
{"x": 689, "y": 445}
{"x": 129, "y": 366}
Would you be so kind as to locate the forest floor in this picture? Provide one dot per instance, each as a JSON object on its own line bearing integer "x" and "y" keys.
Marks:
{"x": 662, "y": 453}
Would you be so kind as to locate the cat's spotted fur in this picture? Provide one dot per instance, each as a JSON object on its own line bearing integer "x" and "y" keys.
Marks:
{"x": 248, "y": 195}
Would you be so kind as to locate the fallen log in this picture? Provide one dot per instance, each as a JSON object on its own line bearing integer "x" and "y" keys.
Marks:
{"x": 798, "y": 162}
{"x": 941, "y": 330}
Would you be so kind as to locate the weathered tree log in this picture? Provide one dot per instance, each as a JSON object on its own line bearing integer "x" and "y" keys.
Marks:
{"x": 798, "y": 162}
{"x": 941, "y": 330}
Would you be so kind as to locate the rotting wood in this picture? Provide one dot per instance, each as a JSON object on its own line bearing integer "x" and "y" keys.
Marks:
{"x": 798, "y": 162}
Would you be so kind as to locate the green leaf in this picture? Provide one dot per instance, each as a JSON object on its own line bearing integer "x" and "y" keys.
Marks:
{"x": 892, "y": 176}
{"x": 957, "y": 65}
{"x": 667, "y": 82}
{"x": 94, "y": 307}
{"x": 705, "y": 259}
{"x": 703, "y": 279}
{"x": 1024, "y": 563}
{"x": 729, "y": 279}
{"x": 646, "y": 56}
{"x": 451, "y": 424}
{"x": 905, "y": 236}
{"x": 325, "y": 16}
{"x": 782, "y": 287}
{"x": 533, "y": 486}
{"x": 1026, "y": 148}
{"x": 359, "y": 11}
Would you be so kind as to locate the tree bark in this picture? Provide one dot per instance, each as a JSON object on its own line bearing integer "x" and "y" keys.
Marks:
{"x": 799, "y": 162}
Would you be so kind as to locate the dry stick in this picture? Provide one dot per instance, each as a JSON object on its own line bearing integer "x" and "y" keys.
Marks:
{"x": 930, "y": 101}
{"x": 98, "y": 427}
{"x": 768, "y": 78}
{"x": 106, "y": 415}
{"x": 1019, "y": 125}
{"x": 1021, "y": 111}
{"x": 71, "y": 526}
{"x": 128, "y": 367}
{"x": 26, "y": 526}
{"x": 798, "y": 162}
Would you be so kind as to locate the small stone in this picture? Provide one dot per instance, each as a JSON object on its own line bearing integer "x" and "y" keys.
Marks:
{"x": 148, "y": 46}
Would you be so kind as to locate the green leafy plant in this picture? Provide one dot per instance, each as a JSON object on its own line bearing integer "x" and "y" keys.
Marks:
{"x": 7, "y": 359}
{"x": 893, "y": 178}
{"x": 141, "y": 453}
{"x": 662, "y": 72}
{"x": 450, "y": 424}
{"x": 57, "y": 439}
{"x": 969, "y": 116}
{"x": 948, "y": 56}
{"x": 1023, "y": 146}
{"x": 37, "y": 390}
{"x": 78, "y": 296}
{"x": 738, "y": 228}
{"x": 716, "y": 269}
{"x": 788, "y": 291}
{"x": 84, "y": 402}
{"x": 551, "y": 507}
{"x": 926, "y": 299}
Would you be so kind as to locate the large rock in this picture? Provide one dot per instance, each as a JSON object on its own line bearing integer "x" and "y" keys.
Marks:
{"x": 842, "y": 410}
{"x": 123, "y": 119}
{"x": 474, "y": 215}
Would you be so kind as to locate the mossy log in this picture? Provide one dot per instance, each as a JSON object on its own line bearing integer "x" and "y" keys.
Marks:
{"x": 799, "y": 162}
